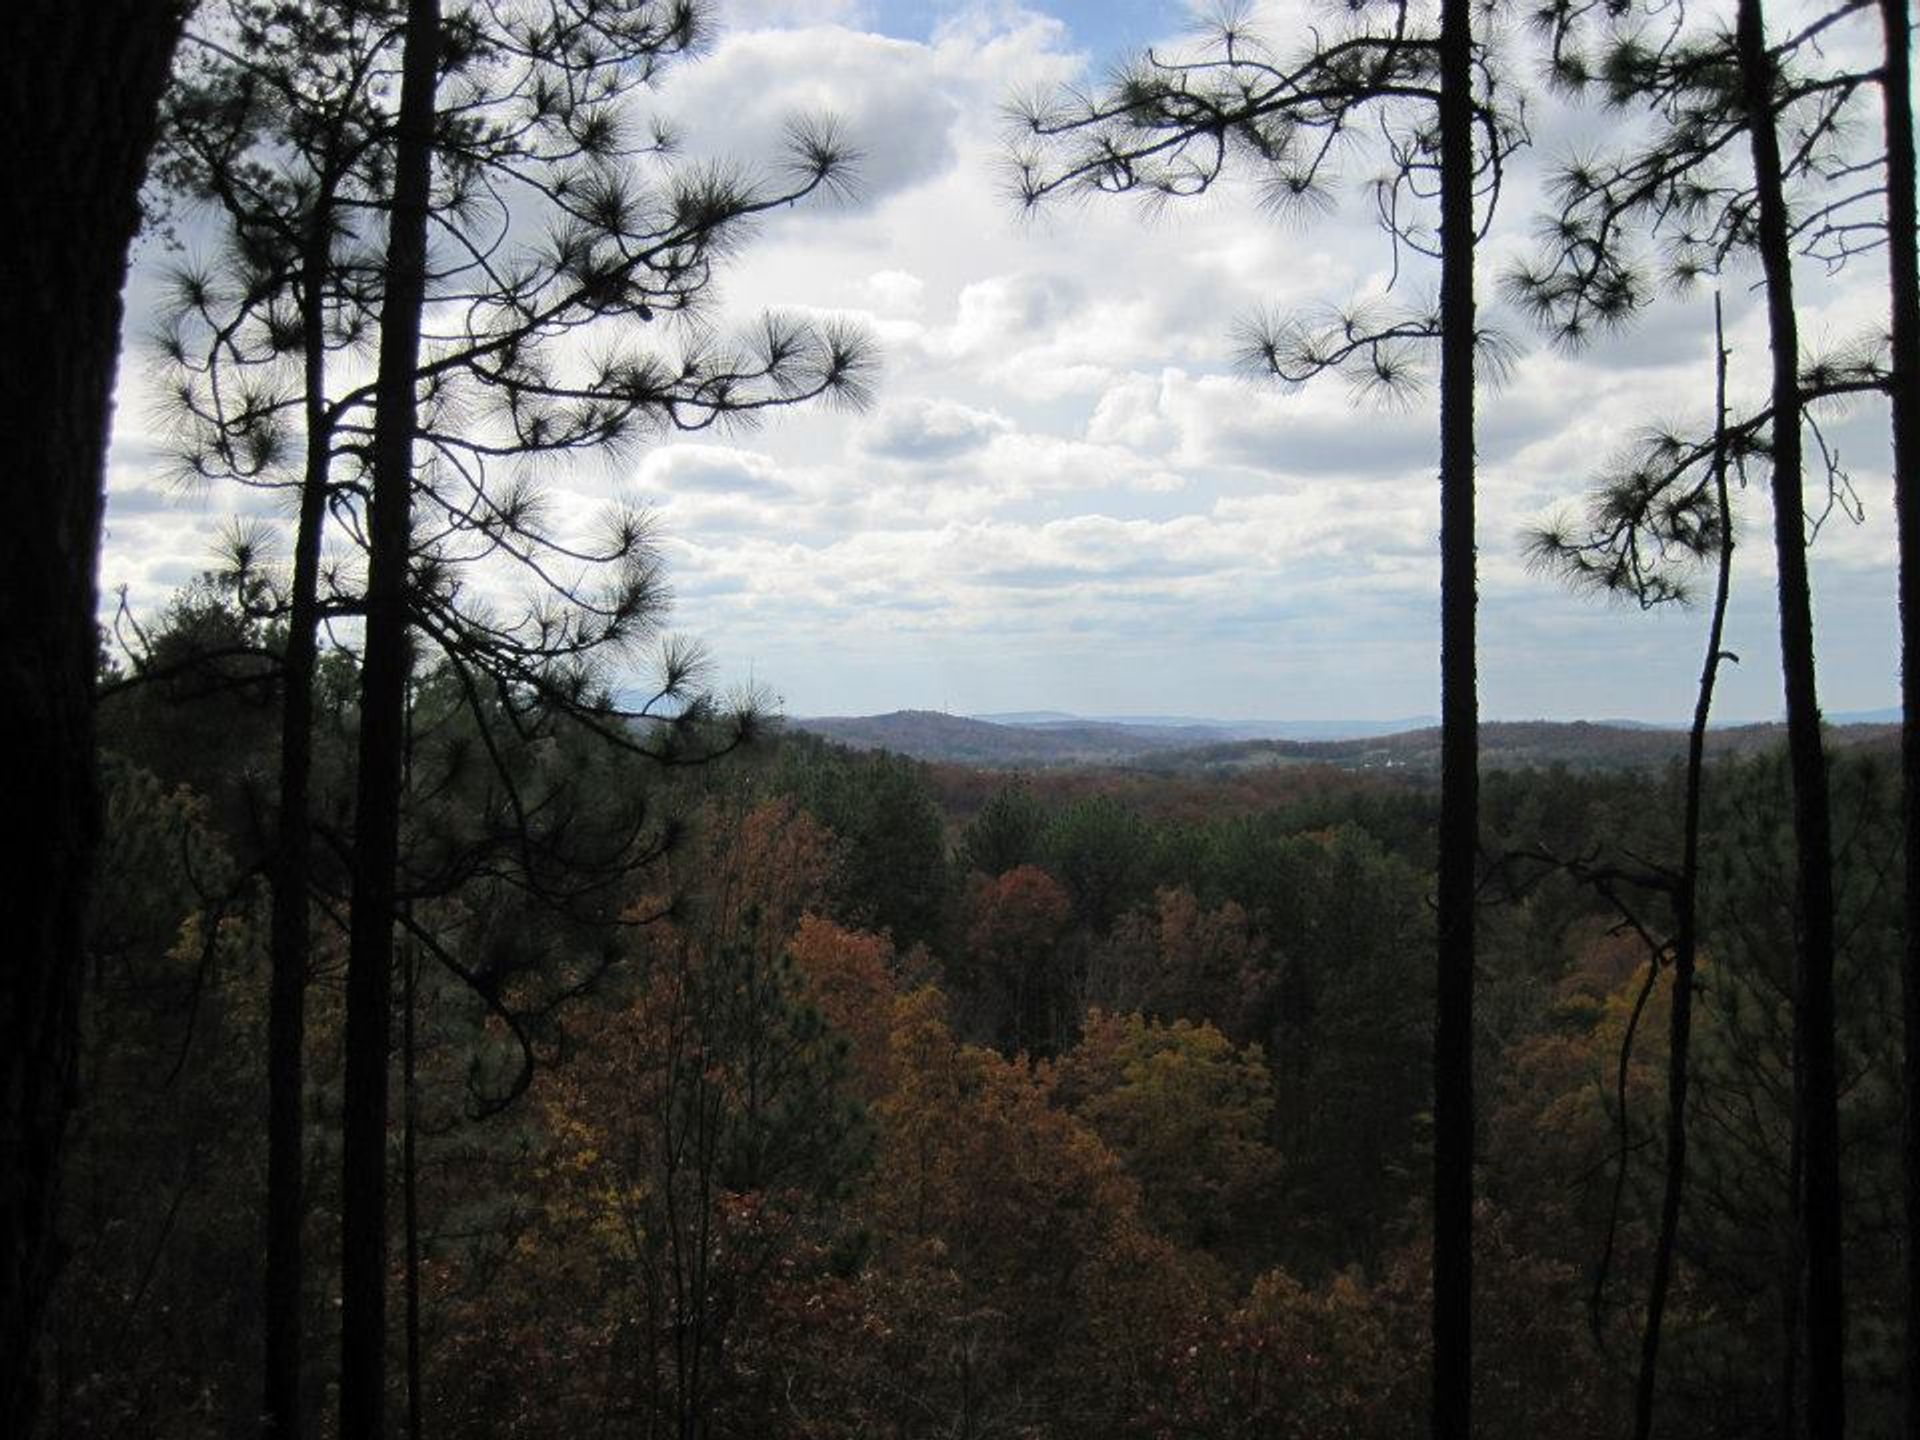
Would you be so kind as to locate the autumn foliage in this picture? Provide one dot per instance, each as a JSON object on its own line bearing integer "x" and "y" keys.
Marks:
{"x": 1124, "y": 1139}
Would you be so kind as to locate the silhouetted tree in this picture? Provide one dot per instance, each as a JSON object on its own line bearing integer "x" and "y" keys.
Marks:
{"x": 385, "y": 665}
{"x": 293, "y": 78}
{"x": 1903, "y": 273}
{"x": 1671, "y": 508}
{"x": 1166, "y": 128}
{"x": 528, "y": 116}
{"x": 1712, "y": 92}
{"x": 78, "y": 94}
{"x": 1816, "y": 1077}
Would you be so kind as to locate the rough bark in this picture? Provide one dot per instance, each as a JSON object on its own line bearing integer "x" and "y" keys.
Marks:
{"x": 1816, "y": 1085}
{"x": 1903, "y": 273}
{"x": 79, "y": 91}
{"x": 383, "y": 686}
{"x": 1459, "y": 744}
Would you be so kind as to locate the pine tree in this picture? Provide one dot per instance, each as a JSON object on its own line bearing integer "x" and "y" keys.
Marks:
{"x": 1168, "y": 128}
{"x": 524, "y": 105}
{"x": 1713, "y": 92}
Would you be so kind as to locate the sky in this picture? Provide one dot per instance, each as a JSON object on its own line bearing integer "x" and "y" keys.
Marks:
{"x": 1065, "y": 496}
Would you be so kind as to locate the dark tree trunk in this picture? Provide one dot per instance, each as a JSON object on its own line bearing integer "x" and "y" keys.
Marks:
{"x": 79, "y": 92}
{"x": 1816, "y": 1088}
{"x": 383, "y": 693}
{"x": 410, "y": 1128}
{"x": 410, "y": 1182}
{"x": 1459, "y": 751}
{"x": 1686, "y": 938}
{"x": 1793, "y": 1261}
{"x": 292, "y": 867}
{"x": 1903, "y": 273}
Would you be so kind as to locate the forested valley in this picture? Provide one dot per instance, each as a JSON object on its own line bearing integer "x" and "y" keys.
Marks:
{"x": 926, "y": 1101}
{"x": 442, "y": 1006}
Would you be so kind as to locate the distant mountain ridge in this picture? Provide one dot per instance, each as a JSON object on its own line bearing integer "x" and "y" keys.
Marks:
{"x": 1511, "y": 745}
{"x": 935, "y": 735}
{"x": 1176, "y": 744}
{"x": 1225, "y": 729}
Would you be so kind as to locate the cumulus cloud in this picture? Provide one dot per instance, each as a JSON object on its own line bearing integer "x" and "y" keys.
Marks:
{"x": 998, "y": 314}
{"x": 1026, "y": 463}
{"x": 1065, "y": 496}
{"x": 676, "y": 470}
{"x": 1133, "y": 412}
{"x": 737, "y": 103}
{"x": 920, "y": 430}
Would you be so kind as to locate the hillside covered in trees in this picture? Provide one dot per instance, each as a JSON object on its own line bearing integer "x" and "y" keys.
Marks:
{"x": 439, "y": 1005}
{"x": 1577, "y": 744}
{"x": 897, "y": 1100}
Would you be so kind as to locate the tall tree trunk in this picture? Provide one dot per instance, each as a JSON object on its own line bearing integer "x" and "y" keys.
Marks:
{"x": 410, "y": 1181}
{"x": 1903, "y": 274}
{"x": 383, "y": 694}
{"x": 292, "y": 864}
{"x": 1793, "y": 1260}
{"x": 1686, "y": 937}
{"x": 79, "y": 92}
{"x": 410, "y": 1127}
{"x": 1452, "y": 1416}
{"x": 1816, "y": 1089}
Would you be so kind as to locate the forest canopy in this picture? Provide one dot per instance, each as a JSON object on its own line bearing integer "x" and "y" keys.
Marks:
{"x": 453, "y": 1001}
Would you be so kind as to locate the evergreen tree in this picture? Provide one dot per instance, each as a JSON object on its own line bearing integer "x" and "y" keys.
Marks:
{"x": 523, "y": 122}
{"x": 1167, "y": 128}
{"x": 1635, "y": 544}
{"x": 1713, "y": 92}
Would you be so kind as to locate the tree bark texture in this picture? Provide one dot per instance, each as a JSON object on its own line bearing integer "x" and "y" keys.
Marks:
{"x": 1452, "y": 1415}
{"x": 79, "y": 91}
{"x": 383, "y": 690}
{"x": 1816, "y": 1083}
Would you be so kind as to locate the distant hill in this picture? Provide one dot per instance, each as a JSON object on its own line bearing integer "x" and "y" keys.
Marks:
{"x": 1225, "y": 730}
{"x": 934, "y": 735}
{"x": 1165, "y": 745}
{"x": 1508, "y": 745}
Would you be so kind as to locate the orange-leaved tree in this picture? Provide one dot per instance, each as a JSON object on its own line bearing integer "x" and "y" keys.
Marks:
{"x": 1187, "y": 1112}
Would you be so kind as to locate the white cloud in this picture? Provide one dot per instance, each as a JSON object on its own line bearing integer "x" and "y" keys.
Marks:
{"x": 895, "y": 292}
{"x": 711, "y": 469}
{"x": 1065, "y": 496}
{"x": 737, "y": 103}
{"x": 918, "y": 430}
{"x": 742, "y": 15}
